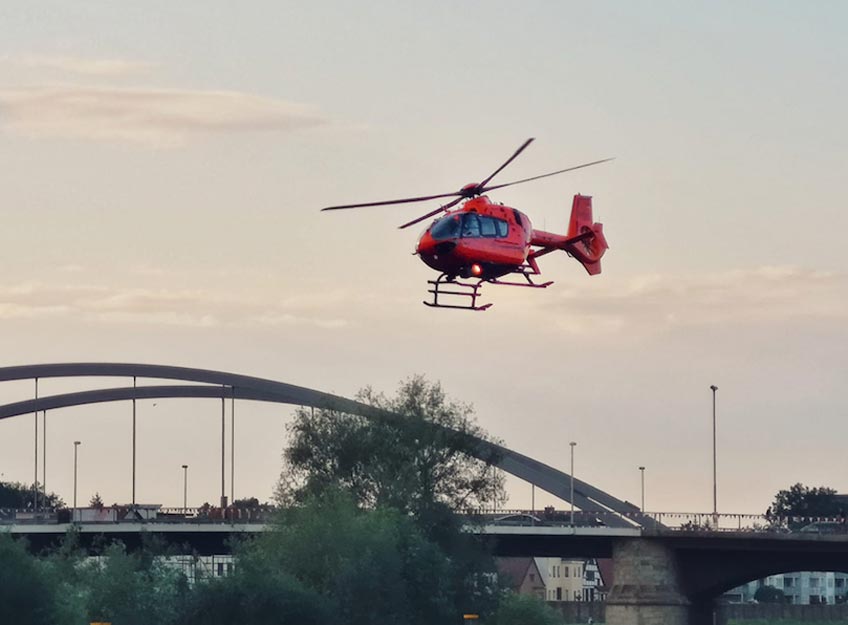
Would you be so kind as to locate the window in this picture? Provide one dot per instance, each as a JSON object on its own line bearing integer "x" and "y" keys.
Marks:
{"x": 445, "y": 228}
{"x": 559, "y": 594}
{"x": 590, "y": 576}
{"x": 788, "y": 582}
{"x": 814, "y": 582}
{"x": 470, "y": 225}
{"x": 492, "y": 227}
{"x": 565, "y": 570}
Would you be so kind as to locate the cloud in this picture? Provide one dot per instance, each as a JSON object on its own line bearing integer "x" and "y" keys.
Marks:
{"x": 103, "y": 68}
{"x": 197, "y": 308}
{"x": 650, "y": 303}
{"x": 152, "y": 117}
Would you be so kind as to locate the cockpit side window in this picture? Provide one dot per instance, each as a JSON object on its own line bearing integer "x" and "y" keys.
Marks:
{"x": 445, "y": 228}
{"x": 487, "y": 226}
{"x": 470, "y": 225}
{"x": 493, "y": 227}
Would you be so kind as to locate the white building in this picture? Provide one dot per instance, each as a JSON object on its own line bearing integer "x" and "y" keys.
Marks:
{"x": 803, "y": 587}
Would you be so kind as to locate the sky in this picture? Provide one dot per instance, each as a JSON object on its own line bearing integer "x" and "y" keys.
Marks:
{"x": 162, "y": 167}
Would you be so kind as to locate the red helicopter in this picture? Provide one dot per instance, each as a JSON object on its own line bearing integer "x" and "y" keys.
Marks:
{"x": 482, "y": 241}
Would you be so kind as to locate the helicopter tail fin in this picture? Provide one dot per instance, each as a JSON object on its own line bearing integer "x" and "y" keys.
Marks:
{"x": 589, "y": 250}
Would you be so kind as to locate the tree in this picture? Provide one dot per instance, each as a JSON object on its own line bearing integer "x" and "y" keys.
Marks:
{"x": 418, "y": 464}
{"x": 769, "y": 594}
{"x": 371, "y": 566}
{"x": 515, "y": 609}
{"x": 17, "y": 496}
{"x": 96, "y": 501}
{"x": 270, "y": 598}
{"x": 132, "y": 588}
{"x": 804, "y": 502}
{"x": 26, "y": 596}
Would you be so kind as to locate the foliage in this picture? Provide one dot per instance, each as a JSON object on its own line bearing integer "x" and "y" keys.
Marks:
{"x": 132, "y": 589}
{"x": 769, "y": 594}
{"x": 418, "y": 464}
{"x": 802, "y": 501}
{"x": 515, "y": 609}
{"x": 375, "y": 566}
{"x": 96, "y": 501}
{"x": 270, "y": 598}
{"x": 26, "y": 594}
{"x": 15, "y": 495}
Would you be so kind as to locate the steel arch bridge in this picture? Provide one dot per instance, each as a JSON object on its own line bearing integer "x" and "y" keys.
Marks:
{"x": 219, "y": 384}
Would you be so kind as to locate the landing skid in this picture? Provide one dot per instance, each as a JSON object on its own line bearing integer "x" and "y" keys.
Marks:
{"x": 530, "y": 283}
{"x": 463, "y": 289}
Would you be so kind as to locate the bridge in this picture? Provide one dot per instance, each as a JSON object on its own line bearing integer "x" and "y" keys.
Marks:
{"x": 663, "y": 574}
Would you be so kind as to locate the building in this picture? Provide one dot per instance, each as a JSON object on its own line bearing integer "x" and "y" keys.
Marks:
{"x": 521, "y": 575}
{"x": 803, "y": 588}
{"x": 563, "y": 578}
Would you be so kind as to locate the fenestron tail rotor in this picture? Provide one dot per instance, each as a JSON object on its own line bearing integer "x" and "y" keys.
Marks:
{"x": 468, "y": 191}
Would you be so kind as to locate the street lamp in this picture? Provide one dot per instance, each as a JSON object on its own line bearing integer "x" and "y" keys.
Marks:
{"x": 572, "y": 444}
{"x": 185, "y": 488}
{"x": 714, "y": 388}
{"x": 642, "y": 471}
{"x": 76, "y": 449}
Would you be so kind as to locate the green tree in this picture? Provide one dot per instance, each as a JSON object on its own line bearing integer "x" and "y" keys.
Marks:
{"x": 132, "y": 588}
{"x": 372, "y": 566}
{"x": 804, "y": 502}
{"x": 257, "y": 597}
{"x": 17, "y": 496}
{"x": 417, "y": 464}
{"x": 769, "y": 594}
{"x": 515, "y": 609}
{"x": 26, "y": 595}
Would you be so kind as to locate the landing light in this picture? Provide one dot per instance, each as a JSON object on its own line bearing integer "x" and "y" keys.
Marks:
{"x": 476, "y": 269}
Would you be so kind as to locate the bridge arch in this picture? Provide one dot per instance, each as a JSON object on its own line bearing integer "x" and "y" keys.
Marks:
{"x": 211, "y": 383}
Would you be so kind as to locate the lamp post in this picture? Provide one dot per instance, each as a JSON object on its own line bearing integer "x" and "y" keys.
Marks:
{"x": 76, "y": 449}
{"x": 642, "y": 471}
{"x": 572, "y": 444}
{"x": 185, "y": 489}
{"x": 714, "y": 388}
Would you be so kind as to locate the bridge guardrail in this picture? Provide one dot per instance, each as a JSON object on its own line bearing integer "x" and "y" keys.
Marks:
{"x": 666, "y": 521}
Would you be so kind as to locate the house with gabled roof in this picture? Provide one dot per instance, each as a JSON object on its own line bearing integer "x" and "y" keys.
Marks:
{"x": 521, "y": 575}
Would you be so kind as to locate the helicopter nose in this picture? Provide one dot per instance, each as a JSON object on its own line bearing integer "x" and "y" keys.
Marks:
{"x": 428, "y": 247}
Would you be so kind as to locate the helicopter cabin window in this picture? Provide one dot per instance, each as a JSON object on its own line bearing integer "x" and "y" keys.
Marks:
{"x": 445, "y": 228}
{"x": 487, "y": 227}
{"x": 470, "y": 225}
{"x": 474, "y": 225}
{"x": 493, "y": 227}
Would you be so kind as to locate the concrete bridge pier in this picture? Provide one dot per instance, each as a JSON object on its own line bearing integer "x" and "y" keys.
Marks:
{"x": 646, "y": 590}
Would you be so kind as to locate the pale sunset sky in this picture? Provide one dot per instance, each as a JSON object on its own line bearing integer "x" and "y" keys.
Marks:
{"x": 162, "y": 165}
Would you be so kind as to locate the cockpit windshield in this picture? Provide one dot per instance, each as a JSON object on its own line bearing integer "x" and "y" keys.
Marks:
{"x": 468, "y": 226}
{"x": 445, "y": 228}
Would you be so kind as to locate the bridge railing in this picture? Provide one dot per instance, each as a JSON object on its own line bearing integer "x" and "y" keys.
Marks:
{"x": 126, "y": 514}
{"x": 664, "y": 521}
{"x": 671, "y": 521}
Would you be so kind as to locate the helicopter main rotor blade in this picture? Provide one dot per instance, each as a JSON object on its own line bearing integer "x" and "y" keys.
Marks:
{"x": 482, "y": 185}
{"x": 431, "y": 213}
{"x": 553, "y": 173}
{"x": 408, "y": 200}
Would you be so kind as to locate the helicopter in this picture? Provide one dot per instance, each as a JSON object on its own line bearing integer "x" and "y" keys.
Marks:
{"x": 483, "y": 242}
